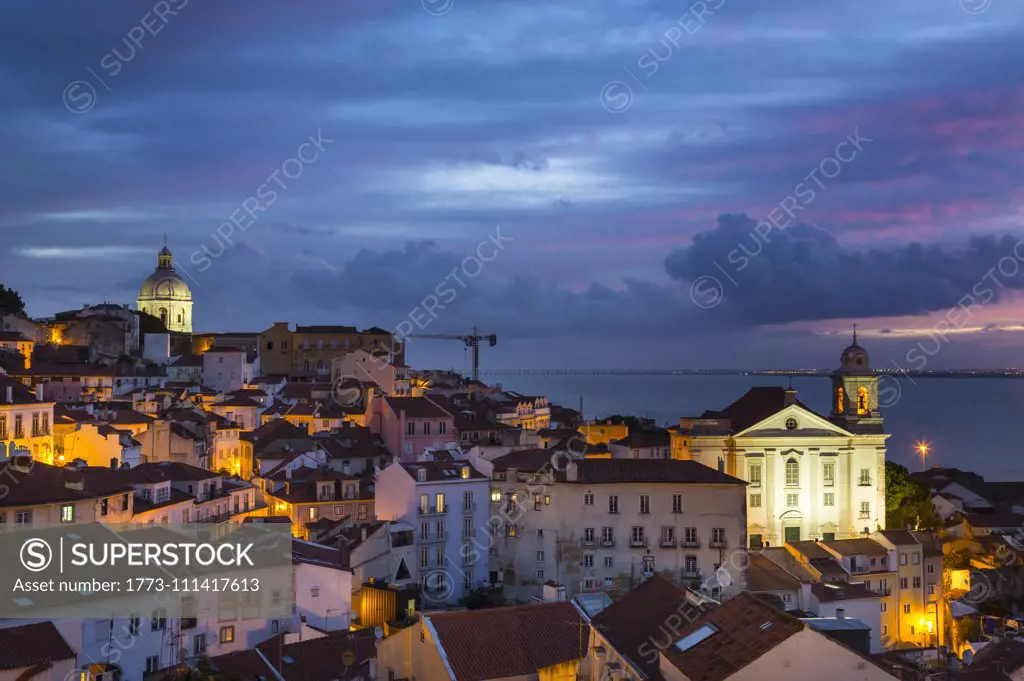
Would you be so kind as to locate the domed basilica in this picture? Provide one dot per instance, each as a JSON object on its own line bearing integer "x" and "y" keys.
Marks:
{"x": 166, "y": 296}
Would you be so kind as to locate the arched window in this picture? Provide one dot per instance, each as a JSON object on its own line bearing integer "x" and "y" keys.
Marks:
{"x": 840, "y": 400}
{"x": 862, "y": 401}
{"x": 179, "y": 318}
{"x": 163, "y": 315}
{"x": 792, "y": 473}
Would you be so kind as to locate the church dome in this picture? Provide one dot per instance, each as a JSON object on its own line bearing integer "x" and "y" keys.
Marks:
{"x": 164, "y": 283}
{"x": 854, "y": 357}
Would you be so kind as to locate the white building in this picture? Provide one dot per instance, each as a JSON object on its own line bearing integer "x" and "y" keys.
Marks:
{"x": 810, "y": 476}
{"x": 166, "y": 296}
{"x": 323, "y": 586}
{"x": 226, "y": 369}
{"x": 608, "y": 523}
{"x": 446, "y": 503}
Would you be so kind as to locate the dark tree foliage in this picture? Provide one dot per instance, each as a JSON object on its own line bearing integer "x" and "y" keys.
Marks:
{"x": 10, "y": 301}
{"x": 907, "y": 502}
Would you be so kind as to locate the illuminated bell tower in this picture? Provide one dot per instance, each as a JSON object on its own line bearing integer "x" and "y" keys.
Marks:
{"x": 855, "y": 386}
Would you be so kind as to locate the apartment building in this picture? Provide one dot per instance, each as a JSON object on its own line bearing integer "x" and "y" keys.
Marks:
{"x": 917, "y": 590}
{"x": 25, "y": 421}
{"x": 44, "y": 494}
{"x": 608, "y": 523}
{"x": 410, "y": 425}
{"x": 315, "y": 498}
{"x": 308, "y": 351}
{"x": 446, "y": 502}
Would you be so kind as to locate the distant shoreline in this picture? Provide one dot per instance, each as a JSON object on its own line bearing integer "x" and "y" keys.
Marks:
{"x": 949, "y": 373}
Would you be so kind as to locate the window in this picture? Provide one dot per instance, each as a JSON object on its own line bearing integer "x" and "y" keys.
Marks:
{"x": 645, "y": 503}
{"x": 440, "y": 529}
{"x": 609, "y": 561}
{"x": 540, "y": 556}
{"x": 588, "y": 499}
{"x": 199, "y": 644}
{"x": 915, "y": 558}
{"x": 536, "y": 502}
{"x": 828, "y": 474}
{"x": 917, "y": 582}
{"x": 539, "y": 574}
{"x": 636, "y": 537}
{"x": 495, "y": 496}
{"x": 424, "y": 558}
{"x": 903, "y": 582}
{"x": 792, "y": 500}
{"x": 885, "y": 629}
{"x": 930, "y": 568}
{"x": 755, "y": 475}
{"x": 410, "y": 428}
{"x": 906, "y": 609}
{"x": 903, "y": 559}
{"x": 690, "y": 566}
{"x": 159, "y": 620}
{"x": 690, "y": 536}
{"x": 152, "y": 664}
{"x": 607, "y": 538}
{"x": 792, "y": 473}
{"x": 718, "y": 536}
{"x": 467, "y": 527}
{"x": 791, "y": 423}
{"x": 227, "y": 634}
{"x": 67, "y": 513}
{"x": 588, "y": 560}
{"x": 441, "y": 427}
{"x": 613, "y": 504}
{"x": 23, "y": 516}
{"x": 865, "y": 509}
{"x": 755, "y": 501}
{"x": 931, "y": 589}
{"x": 865, "y": 477}
{"x": 677, "y": 503}
{"x": 830, "y": 499}
{"x": 314, "y": 592}
{"x": 134, "y": 625}
{"x": 426, "y": 427}
{"x": 588, "y": 535}
{"x": 439, "y": 500}
{"x": 885, "y": 608}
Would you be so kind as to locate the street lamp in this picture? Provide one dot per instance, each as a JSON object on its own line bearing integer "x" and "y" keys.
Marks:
{"x": 922, "y": 449}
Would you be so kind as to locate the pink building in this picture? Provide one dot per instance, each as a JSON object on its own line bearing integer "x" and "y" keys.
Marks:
{"x": 409, "y": 425}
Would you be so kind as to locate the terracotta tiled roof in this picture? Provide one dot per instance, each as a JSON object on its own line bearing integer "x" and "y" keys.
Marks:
{"x": 321, "y": 659}
{"x": 19, "y": 393}
{"x": 899, "y": 537}
{"x": 744, "y": 629}
{"x": 32, "y": 644}
{"x": 764, "y": 575}
{"x": 416, "y": 408}
{"x": 645, "y": 438}
{"x": 529, "y": 460}
{"x": 754, "y": 406}
{"x": 637, "y": 618}
{"x": 243, "y": 665}
{"x": 857, "y": 547}
{"x": 613, "y": 471}
{"x": 504, "y": 642}
{"x": 442, "y": 470}
{"x": 51, "y": 484}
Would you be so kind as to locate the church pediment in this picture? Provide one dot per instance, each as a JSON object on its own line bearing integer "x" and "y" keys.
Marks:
{"x": 794, "y": 421}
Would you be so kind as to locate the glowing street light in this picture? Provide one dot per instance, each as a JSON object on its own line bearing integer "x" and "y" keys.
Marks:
{"x": 922, "y": 449}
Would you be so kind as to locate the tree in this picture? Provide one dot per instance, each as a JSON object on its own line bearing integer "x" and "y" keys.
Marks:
{"x": 907, "y": 502}
{"x": 10, "y": 301}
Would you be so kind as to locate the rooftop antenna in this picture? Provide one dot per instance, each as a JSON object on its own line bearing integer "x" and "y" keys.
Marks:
{"x": 854, "y": 334}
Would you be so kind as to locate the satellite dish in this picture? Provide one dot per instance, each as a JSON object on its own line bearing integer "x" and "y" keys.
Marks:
{"x": 378, "y": 632}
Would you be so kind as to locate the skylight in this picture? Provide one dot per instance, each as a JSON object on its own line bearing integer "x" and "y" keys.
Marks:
{"x": 692, "y": 640}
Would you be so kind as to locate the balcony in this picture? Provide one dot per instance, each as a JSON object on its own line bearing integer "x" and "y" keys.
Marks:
{"x": 431, "y": 510}
{"x": 433, "y": 539}
{"x": 718, "y": 543}
{"x": 668, "y": 543}
{"x": 691, "y": 574}
{"x": 864, "y": 482}
{"x": 690, "y": 543}
{"x": 635, "y": 543}
{"x": 608, "y": 543}
{"x": 588, "y": 543}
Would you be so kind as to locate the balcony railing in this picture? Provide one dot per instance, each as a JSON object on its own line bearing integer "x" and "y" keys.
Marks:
{"x": 691, "y": 574}
{"x": 635, "y": 543}
{"x": 432, "y": 510}
{"x": 588, "y": 543}
{"x": 608, "y": 543}
{"x": 433, "y": 538}
{"x": 469, "y": 507}
{"x": 718, "y": 543}
{"x": 668, "y": 543}
{"x": 690, "y": 543}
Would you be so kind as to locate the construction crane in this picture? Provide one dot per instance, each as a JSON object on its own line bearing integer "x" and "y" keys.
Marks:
{"x": 472, "y": 341}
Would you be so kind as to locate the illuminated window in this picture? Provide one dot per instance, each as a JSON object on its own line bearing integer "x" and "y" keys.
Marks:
{"x": 755, "y": 501}
{"x": 840, "y": 400}
{"x": 755, "y": 475}
{"x": 862, "y": 400}
{"x": 792, "y": 500}
{"x": 792, "y": 473}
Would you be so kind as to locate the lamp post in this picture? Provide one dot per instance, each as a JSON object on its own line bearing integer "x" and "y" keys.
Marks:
{"x": 922, "y": 449}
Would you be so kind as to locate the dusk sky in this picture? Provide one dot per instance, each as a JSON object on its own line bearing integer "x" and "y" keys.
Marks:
{"x": 632, "y": 156}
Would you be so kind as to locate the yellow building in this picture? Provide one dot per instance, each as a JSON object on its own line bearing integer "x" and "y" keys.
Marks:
{"x": 25, "y": 421}
{"x": 603, "y": 433}
{"x": 308, "y": 351}
{"x": 311, "y": 498}
{"x": 16, "y": 342}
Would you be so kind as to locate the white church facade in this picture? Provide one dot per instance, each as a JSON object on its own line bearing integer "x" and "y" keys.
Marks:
{"x": 809, "y": 476}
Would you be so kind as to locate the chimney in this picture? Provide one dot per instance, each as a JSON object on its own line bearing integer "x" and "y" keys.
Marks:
{"x": 10, "y": 394}
{"x": 840, "y": 612}
{"x": 790, "y": 397}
